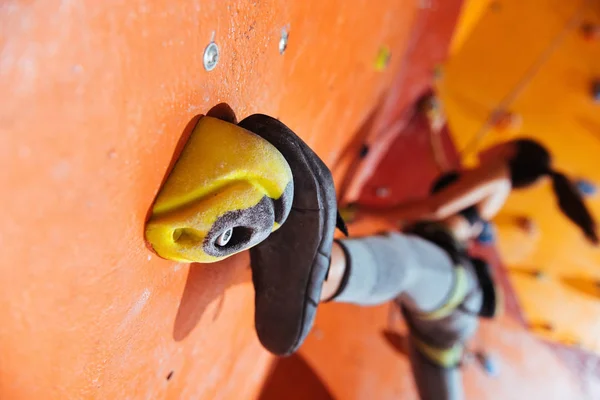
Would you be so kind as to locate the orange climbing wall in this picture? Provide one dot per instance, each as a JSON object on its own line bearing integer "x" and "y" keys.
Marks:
{"x": 97, "y": 95}
{"x": 530, "y": 58}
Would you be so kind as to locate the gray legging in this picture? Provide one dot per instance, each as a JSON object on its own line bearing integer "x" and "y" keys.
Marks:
{"x": 422, "y": 278}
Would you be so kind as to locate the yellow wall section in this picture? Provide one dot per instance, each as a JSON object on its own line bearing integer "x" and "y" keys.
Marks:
{"x": 470, "y": 14}
{"x": 531, "y": 56}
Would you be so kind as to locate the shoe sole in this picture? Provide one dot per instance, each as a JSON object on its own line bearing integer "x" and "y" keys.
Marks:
{"x": 284, "y": 314}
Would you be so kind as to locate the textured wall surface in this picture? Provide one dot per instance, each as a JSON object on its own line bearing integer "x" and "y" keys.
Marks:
{"x": 96, "y": 97}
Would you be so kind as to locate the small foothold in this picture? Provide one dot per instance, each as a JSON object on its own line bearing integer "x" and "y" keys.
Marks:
{"x": 382, "y": 192}
{"x": 596, "y": 90}
{"x": 503, "y": 120}
{"x": 526, "y": 224}
{"x": 383, "y": 58}
{"x": 590, "y": 31}
{"x": 540, "y": 275}
{"x": 488, "y": 234}
{"x": 348, "y": 212}
{"x": 490, "y": 364}
{"x": 429, "y": 103}
{"x": 586, "y": 188}
{"x": 544, "y": 326}
{"x": 364, "y": 150}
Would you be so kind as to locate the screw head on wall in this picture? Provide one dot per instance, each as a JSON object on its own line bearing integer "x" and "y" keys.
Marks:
{"x": 283, "y": 40}
{"x": 211, "y": 56}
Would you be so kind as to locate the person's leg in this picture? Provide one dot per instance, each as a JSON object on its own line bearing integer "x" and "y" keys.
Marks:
{"x": 376, "y": 269}
{"x": 434, "y": 382}
{"x": 422, "y": 277}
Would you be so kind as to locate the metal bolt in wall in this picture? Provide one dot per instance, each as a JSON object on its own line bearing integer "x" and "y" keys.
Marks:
{"x": 283, "y": 40}
{"x": 211, "y": 56}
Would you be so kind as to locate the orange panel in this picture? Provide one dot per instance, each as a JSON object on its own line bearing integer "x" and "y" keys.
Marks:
{"x": 98, "y": 95}
{"x": 368, "y": 344}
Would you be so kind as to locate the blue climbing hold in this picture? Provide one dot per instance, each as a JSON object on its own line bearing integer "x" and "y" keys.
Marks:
{"x": 596, "y": 91}
{"x": 488, "y": 234}
{"x": 586, "y": 188}
{"x": 491, "y": 365}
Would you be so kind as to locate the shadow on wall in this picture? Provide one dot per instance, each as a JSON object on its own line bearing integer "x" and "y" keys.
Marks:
{"x": 291, "y": 378}
{"x": 397, "y": 341}
{"x": 206, "y": 283}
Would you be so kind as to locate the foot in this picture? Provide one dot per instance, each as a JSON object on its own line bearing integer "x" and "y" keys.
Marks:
{"x": 290, "y": 266}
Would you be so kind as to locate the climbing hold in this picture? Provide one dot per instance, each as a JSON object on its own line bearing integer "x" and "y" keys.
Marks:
{"x": 503, "y": 120}
{"x": 590, "y": 31}
{"x": 526, "y": 224}
{"x": 596, "y": 90}
{"x": 431, "y": 106}
{"x": 540, "y": 275}
{"x": 348, "y": 212}
{"x": 543, "y": 326}
{"x": 490, "y": 363}
{"x": 383, "y": 58}
{"x": 429, "y": 103}
{"x": 227, "y": 192}
{"x": 586, "y": 188}
{"x": 488, "y": 234}
{"x": 364, "y": 150}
